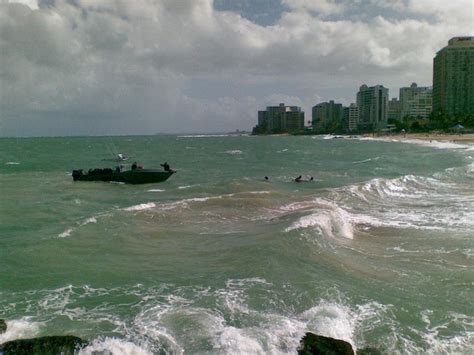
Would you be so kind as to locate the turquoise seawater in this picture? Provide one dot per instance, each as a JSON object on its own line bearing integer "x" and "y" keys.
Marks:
{"x": 376, "y": 250}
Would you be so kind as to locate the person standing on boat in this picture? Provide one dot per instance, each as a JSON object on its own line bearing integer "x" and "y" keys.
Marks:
{"x": 166, "y": 166}
{"x": 134, "y": 165}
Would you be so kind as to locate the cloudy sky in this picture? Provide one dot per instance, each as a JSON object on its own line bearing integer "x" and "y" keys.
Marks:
{"x": 80, "y": 67}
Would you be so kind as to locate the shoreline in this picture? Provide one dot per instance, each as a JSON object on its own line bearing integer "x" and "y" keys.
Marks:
{"x": 441, "y": 137}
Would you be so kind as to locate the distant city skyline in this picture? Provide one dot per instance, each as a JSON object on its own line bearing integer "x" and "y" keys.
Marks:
{"x": 99, "y": 67}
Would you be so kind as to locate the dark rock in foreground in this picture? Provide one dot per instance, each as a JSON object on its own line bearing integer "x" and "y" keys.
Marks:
{"x": 317, "y": 344}
{"x": 3, "y": 326}
{"x": 66, "y": 345}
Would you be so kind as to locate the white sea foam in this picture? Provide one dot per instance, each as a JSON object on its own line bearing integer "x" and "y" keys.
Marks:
{"x": 331, "y": 219}
{"x": 140, "y": 207}
{"x": 297, "y": 206}
{"x": 186, "y": 202}
{"x": 365, "y": 160}
{"x": 12, "y": 163}
{"x": 184, "y": 187}
{"x": 438, "y": 344}
{"x": 232, "y": 325}
{"x": 110, "y": 346}
{"x": 20, "y": 329}
{"x": 332, "y": 320}
{"x": 89, "y": 220}
{"x": 66, "y": 233}
{"x": 279, "y": 334}
{"x": 326, "y": 136}
{"x": 470, "y": 168}
{"x": 425, "y": 143}
{"x": 430, "y": 203}
{"x": 56, "y": 299}
{"x": 233, "y": 152}
{"x": 156, "y": 190}
{"x": 409, "y": 187}
{"x": 238, "y": 341}
{"x": 408, "y": 202}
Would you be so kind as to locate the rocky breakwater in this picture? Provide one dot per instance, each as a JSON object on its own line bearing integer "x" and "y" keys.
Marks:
{"x": 61, "y": 344}
{"x": 318, "y": 344}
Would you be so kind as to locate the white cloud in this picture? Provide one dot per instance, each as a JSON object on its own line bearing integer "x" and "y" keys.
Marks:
{"x": 32, "y": 4}
{"x": 134, "y": 66}
{"x": 323, "y": 7}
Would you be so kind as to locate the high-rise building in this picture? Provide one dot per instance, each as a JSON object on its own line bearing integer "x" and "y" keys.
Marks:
{"x": 280, "y": 119}
{"x": 345, "y": 118}
{"x": 394, "y": 109}
{"x": 353, "y": 116}
{"x": 373, "y": 107}
{"x": 415, "y": 101}
{"x": 453, "y": 77}
{"x": 325, "y": 114}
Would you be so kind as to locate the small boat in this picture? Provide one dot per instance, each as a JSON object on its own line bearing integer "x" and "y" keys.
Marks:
{"x": 134, "y": 176}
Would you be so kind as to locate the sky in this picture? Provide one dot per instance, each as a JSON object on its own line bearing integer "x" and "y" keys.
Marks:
{"x": 118, "y": 67}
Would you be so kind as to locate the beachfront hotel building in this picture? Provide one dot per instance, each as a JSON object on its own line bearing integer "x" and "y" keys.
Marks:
{"x": 326, "y": 114}
{"x": 416, "y": 101}
{"x": 453, "y": 77}
{"x": 394, "y": 109}
{"x": 280, "y": 119}
{"x": 373, "y": 107}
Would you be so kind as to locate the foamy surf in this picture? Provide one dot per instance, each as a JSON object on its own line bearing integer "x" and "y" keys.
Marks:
{"x": 114, "y": 346}
{"x": 365, "y": 160}
{"x": 330, "y": 219}
{"x": 20, "y": 329}
{"x": 140, "y": 207}
{"x": 430, "y": 203}
{"x": 424, "y": 143}
{"x": 66, "y": 233}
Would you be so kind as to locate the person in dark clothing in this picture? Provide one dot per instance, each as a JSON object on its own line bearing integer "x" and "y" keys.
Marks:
{"x": 134, "y": 165}
{"x": 298, "y": 179}
{"x": 166, "y": 166}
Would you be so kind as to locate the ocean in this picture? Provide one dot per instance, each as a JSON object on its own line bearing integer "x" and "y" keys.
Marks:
{"x": 377, "y": 250}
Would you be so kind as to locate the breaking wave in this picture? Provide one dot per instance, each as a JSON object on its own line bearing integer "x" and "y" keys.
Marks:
{"x": 140, "y": 207}
{"x": 233, "y": 152}
{"x": 19, "y": 329}
{"x": 221, "y": 319}
{"x": 330, "y": 219}
{"x": 439, "y": 202}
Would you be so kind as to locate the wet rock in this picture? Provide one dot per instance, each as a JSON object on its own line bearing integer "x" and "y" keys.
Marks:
{"x": 3, "y": 326}
{"x": 66, "y": 345}
{"x": 317, "y": 344}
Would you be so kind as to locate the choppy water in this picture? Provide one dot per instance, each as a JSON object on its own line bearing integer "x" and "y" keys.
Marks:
{"x": 377, "y": 250}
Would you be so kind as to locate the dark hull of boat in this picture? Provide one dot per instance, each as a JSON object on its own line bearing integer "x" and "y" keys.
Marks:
{"x": 138, "y": 176}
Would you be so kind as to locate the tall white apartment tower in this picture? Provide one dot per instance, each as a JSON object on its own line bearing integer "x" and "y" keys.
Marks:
{"x": 416, "y": 101}
{"x": 373, "y": 107}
